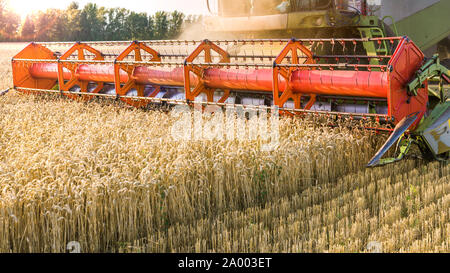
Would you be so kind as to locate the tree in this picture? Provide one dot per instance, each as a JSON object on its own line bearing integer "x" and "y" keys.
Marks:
{"x": 92, "y": 23}
{"x": 49, "y": 26}
{"x": 60, "y": 27}
{"x": 28, "y": 29}
{"x": 175, "y": 24}
{"x": 73, "y": 6}
{"x": 9, "y": 22}
{"x": 73, "y": 15}
{"x": 116, "y": 24}
{"x": 150, "y": 30}
{"x": 2, "y": 9}
{"x": 161, "y": 25}
{"x": 136, "y": 25}
{"x": 43, "y": 26}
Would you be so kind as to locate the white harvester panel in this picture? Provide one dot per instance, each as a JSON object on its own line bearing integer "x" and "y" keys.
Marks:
{"x": 438, "y": 135}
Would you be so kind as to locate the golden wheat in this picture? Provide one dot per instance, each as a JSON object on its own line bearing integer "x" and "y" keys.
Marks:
{"x": 112, "y": 179}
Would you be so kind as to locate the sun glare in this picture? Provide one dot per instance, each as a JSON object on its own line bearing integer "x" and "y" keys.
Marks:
{"x": 27, "y": 7}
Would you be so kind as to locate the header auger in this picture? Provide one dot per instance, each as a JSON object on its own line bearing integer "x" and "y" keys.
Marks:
{"x": 322, "y": 76}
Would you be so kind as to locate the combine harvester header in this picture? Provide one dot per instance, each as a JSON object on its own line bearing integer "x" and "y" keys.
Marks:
{"x": 293, "y": 75}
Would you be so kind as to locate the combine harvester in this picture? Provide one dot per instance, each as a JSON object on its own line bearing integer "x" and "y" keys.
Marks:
{"x": 362, "y": 74}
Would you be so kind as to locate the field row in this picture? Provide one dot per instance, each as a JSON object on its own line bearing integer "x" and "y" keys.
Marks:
{"x": 407, "y": 212}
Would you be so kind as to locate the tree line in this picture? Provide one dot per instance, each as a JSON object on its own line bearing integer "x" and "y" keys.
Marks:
{"x": 91, "y": 23}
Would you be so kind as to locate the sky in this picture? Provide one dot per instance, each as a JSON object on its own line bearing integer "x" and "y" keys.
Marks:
{"x": 25, "y": 7}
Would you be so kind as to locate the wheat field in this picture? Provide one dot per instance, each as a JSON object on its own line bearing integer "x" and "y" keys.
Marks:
{"x": 110, "y": 178}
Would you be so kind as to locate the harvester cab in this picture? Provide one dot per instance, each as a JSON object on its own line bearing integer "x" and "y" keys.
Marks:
{"x": 294, "y": 18}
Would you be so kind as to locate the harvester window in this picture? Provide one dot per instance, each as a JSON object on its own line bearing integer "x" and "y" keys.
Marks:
{"x": 230, "y": 8}
{"x": 237, "y": 8}
{"x": 265, "y": 7}
{"x": 349, "y": 5}
{"x": 305, "y": 5}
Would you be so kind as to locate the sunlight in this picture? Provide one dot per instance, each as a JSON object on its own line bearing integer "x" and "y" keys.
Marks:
{"x": 27, "y": 7}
